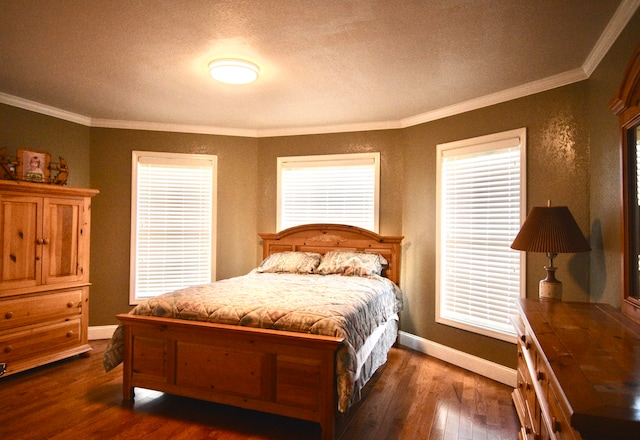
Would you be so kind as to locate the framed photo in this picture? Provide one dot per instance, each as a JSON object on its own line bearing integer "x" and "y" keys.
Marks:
{"x": 33, "y": 165}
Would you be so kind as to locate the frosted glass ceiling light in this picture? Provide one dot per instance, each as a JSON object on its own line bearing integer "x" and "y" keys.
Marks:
{"x": 232, "y": 71}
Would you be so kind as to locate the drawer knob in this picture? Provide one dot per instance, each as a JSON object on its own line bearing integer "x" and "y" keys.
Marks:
{"x": 8, "y": 349}
{"x": 8, "y": 315}
{"x": 555, "y": 424}
{"x": 69, "y": 334}
{"x": 70, "y": 304}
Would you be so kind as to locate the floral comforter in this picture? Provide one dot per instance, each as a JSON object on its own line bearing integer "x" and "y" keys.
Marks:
{"x": 332, "y": 305}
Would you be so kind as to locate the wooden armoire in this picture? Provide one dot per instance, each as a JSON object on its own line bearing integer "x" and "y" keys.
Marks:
{"x": 44, "y": 273}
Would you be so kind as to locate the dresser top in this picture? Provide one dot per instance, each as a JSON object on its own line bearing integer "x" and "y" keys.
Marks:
{"x": 45, "y": 189}
{"x": 594, "y": 354}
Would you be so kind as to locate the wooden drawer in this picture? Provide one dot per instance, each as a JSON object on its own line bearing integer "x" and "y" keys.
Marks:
{"x": 521, "y": 399}
{"x": 525, "y": 398}
{"x": 558, "y": 420}
{"x": 39, "y": 340}
{"x": 21, "y": 311}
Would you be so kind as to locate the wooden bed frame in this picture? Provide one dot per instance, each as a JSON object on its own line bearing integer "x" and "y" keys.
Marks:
{"x": 278, "y": 372}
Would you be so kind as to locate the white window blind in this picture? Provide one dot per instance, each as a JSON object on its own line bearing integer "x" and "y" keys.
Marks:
{"x": 481, "y": 200}
{"x": 172, "y": 222}
{"x": 340, "y": 189}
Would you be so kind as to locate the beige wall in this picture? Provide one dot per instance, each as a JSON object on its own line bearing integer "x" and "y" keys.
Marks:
{"x": 237, "y": 237}
{"x": 387, "y": 142}
{"x": 573, "y": 159}
{"x": 557, "y": 167}
{"x": 24, "y": 129}
{"x": 605, "y": 169}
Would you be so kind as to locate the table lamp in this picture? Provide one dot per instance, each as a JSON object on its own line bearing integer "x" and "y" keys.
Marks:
{"x": 553, "y": 230}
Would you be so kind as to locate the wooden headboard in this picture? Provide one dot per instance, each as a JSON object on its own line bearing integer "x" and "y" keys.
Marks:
{"x": 323, "y": 238}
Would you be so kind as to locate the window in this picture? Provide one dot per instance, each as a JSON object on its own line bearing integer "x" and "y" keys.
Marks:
{"x": 173, "y": 222}
{"x": 341, "y": 189}
{"x": 481, "y": 199}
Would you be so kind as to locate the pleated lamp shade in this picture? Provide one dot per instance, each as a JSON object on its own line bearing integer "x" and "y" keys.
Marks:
{"x": 550, "y": 229}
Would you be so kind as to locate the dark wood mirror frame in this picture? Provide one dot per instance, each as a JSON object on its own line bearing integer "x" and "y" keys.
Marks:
{"x": 626, "y": 105}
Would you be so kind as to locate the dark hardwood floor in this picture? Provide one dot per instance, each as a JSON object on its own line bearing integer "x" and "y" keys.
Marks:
{"x": 413, "y": 397}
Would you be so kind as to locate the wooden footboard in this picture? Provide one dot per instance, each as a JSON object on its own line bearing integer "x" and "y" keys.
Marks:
{"x": 285, "y": 373}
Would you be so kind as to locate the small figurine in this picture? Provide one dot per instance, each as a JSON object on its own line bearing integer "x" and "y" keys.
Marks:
{"x": 7, "y": 166}
{"x": 63, "y": 172}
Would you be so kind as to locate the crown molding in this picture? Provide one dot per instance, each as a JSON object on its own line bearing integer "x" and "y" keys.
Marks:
{"x": 531, "y": 88}
{"x": 473, "y": 104}
{"x": 175, "y": 128}
{"x": 37, "y": 107}
{"x": 324, "y": 129}
{"x": 616, "y": 25}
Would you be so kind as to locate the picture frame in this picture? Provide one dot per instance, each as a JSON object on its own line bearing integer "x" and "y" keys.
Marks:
{"x": 33, "y": 165}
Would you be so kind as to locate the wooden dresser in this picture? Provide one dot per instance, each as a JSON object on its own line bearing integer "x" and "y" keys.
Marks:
{"x": 578, "y": 372}
{"x": 44, "y": 273}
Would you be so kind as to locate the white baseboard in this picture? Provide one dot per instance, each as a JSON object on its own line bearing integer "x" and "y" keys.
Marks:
{"x": 469, "y": 362}
{"x": 101, "y": 332}
{"x": 485, "y": 368}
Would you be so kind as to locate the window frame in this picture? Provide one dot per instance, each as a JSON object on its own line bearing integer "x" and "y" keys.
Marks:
{"x": 172, "y": 159}
{"x": 330, "y": 160}
{"x": 462, "y": 147}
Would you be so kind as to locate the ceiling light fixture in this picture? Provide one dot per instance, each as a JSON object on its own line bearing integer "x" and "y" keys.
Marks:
{"x": 233, "y": 71}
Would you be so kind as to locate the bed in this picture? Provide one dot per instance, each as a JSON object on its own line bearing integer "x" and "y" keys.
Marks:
{"x": 296, "y": 356}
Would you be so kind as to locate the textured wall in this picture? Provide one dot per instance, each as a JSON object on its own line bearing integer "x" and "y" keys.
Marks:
{"x": 387, "y": 142}
{"x": 557, "y": 167}
{"x": 237, "y": 237}
{"x": 606, "y": 170}
{"x": 24, "y": 129}
{"x": 573, "y": 159}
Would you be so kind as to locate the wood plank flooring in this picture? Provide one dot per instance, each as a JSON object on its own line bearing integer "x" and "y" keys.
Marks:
{"x": 413, "y": 397}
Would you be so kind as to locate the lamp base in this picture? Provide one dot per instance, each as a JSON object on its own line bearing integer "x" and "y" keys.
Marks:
{"x": 550, "y": 288}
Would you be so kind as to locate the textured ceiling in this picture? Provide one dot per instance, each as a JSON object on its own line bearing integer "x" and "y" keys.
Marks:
{"x": 325, "y": 65}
